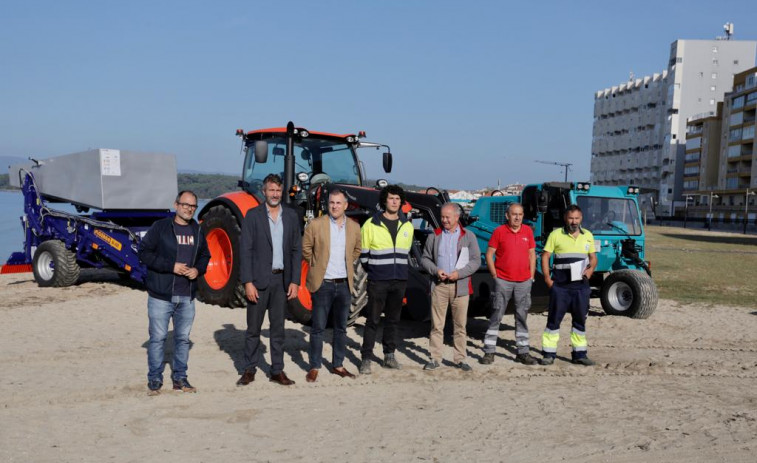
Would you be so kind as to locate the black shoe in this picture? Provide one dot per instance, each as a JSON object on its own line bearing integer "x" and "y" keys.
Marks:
{"x": 526, "y": 359}
{"x": 365, "y": 367}
{"x": 464, "y": 366}
{"x": 585, "y": 361}
{"x": 432, "y": 365}
{"x": 391, "y": 362}
{"x": 487, "y": 359}
{"x": 183, "y": 385}
{"x": 547, "y": 361}
{"x": 154, "y": 386}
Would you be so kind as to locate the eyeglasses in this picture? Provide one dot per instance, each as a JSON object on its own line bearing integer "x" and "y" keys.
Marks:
{"x": 187, "y": 205}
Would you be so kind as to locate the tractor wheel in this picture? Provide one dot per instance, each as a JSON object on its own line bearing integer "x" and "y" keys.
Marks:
{"x": 300, "y": 308}
{"x": 220, "y": 285}
{"x": 359, "y": 293}
{"x": 630, "y": 293}
{"x": 54, "y": 265}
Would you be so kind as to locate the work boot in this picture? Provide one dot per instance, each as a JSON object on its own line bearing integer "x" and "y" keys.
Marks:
{"x": 464, "y": 366}
{"x": 183, "y": 385}
{"x": 526, "y": 359}
{"x": 546, "y": 361}
{"x": 154, "y": 386}
{"x": 432, "y": 365}
{"x": 391, "y": 362}
{"x": 585, "y": 361}
{"x": 365, "y": 367}
{"x": 487, "y": 359}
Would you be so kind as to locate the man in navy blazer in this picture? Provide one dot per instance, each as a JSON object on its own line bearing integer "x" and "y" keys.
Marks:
{"x": 271, "y": 257}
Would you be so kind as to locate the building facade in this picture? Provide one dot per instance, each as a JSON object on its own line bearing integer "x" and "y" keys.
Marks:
{"x": 639, "y": 134}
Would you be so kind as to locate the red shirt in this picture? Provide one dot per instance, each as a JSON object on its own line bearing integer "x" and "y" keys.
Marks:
{"x": 511, "y": 259}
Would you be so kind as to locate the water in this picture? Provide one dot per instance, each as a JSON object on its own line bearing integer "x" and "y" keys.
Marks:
{"x": 11, "y": 230}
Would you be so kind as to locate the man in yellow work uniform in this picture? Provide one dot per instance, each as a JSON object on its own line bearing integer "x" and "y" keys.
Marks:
{"x": 574, "y": 262}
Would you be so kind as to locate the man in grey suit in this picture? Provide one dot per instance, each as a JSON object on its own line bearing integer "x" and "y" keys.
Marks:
{"x": 271, "y": 256}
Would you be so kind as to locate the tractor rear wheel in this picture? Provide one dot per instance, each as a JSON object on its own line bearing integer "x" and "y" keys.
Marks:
{"x": 54, "y": 265}
{"x": 630, "y": 293}
{"x": 359, "y": 293}
{"x": 220, "y": 285}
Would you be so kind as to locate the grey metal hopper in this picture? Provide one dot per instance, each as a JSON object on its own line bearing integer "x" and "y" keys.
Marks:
{"x": 105, "y": 179}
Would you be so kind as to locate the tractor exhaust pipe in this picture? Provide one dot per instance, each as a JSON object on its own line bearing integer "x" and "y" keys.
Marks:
{"x": 289, "y": 163}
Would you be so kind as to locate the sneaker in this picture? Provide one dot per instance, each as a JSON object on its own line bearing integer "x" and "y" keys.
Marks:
{"x": 464, "y": 366}
{"x": 391, "y": 362}
{"x": 365, "y": 367}
{"x": 183, "y": 385}
{"x": 432, "y": 365}
{"x": 526, "y": 359}
{"x": 154, "y": 386}
{"x": 487, "y": 359}
{"x": 547, "y": 361}
{"x": 585, "y": 361}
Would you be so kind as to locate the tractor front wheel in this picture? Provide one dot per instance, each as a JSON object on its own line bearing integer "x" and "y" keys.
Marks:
{"x": 630, "y": 293}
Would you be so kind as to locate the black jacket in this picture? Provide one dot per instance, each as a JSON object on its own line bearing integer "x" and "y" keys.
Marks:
{"x": 158, "y": 249}
{"x": 256, "y": 256}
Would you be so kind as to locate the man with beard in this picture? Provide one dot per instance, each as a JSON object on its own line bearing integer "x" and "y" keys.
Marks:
{"x": 271, "y": 255}
{"x": 574, "y": 262}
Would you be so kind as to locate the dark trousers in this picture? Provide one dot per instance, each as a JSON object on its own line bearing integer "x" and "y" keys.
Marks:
{"x": 384, "y": 296}
{"x": 575, "y": 301}
{"x": 274, "y": 299}
{"x": 333, "y": 298}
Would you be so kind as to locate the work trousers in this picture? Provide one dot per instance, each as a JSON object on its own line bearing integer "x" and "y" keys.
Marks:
{"x": 384, "y": 296}
{"x": 561, "y": 301}
{"x": 520, "y": 292}
{"x": 444, "y": 296}
{"x": 274, "y": 299}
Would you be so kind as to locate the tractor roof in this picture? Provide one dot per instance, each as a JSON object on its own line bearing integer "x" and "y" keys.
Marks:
{"x": 283, "y": 130}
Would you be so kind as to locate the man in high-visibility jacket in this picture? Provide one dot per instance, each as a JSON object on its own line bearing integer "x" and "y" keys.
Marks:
{"x": 385, "y": 244}
{"x": 574, "y": 262}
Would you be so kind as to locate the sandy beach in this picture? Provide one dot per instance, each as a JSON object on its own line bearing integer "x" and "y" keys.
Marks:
{"x": 677, "y": 387}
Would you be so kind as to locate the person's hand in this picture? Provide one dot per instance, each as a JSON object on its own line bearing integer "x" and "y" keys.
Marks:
{"x": 251, "y": 292}
{"x": 180, "y": 269}
{"x": 454, "y": 276}
{"x": 549, "y": 282}
{"x": 441, "y": 274}
{"x": 292, "y": 291}
{"x": 192, "y": 273}
{"x": 588, "y": 273}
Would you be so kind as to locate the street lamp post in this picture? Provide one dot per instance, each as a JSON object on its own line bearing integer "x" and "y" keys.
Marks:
{"x": 686, "y": 209}
{"x": 709, "y": 216}
{"x": 746, "y": 207}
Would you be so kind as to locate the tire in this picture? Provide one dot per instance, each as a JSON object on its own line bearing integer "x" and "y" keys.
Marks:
{"x": 630, "y": 293}
{"x": 220, "y": 285}
{"x": 359, "y": 293}
{"x": 300, "y": 308}
{"x": 54, "y": 265}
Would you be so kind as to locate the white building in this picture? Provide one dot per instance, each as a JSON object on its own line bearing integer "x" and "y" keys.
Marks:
{"x": 639, "y": 134}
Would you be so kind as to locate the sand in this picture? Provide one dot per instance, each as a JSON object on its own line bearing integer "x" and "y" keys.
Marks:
{"x": 680, "y": 386}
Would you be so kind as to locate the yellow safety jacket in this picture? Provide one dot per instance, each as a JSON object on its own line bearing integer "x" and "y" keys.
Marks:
{"x": 382, "y": 258}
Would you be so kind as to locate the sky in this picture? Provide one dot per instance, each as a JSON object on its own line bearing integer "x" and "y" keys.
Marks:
{"x": 466, "y": 94}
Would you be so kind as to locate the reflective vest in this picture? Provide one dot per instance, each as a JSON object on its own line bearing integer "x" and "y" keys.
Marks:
{"x": 382, "y": 258}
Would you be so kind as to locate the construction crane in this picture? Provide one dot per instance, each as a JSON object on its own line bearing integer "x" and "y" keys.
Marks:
{"x": 566, "y": 165}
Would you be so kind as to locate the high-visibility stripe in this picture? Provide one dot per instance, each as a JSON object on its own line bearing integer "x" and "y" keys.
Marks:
{"x": 521, "y": 335}
{"x": 490, "y": 342}
{"x": 392, "y": 261}
{"x": 492, "y": 332}
{"x": 549, "y": 340}
{"x": 578, "y": 341}
{"x": 570, "y": 255}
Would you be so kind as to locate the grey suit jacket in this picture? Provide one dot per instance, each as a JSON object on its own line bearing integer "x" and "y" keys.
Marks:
{"x": 257, "y": 249}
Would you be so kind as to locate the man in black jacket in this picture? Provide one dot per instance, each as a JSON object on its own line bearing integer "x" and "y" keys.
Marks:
{"x": 176, "y": 254}
{"x": 270, "y": 268}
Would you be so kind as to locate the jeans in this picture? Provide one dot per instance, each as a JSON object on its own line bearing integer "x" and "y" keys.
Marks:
{"x": 182, "y": 310}
{"x": 384, "y": 296}
{"x": 336, "y": 299}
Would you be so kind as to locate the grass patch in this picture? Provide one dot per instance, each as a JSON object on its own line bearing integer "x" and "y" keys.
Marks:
{"x": 699, "y": 266}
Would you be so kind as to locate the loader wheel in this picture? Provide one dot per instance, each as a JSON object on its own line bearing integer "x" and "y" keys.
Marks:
{"x": 54, "y": 265}
{"x": 359, "y": 293}
{"x": 300, "y": 308}
{"x": 220, "y": 285}
{"x": 630, "y": 293}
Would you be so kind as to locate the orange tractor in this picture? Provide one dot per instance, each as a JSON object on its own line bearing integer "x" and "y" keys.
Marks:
{"x": 310, "y": 164}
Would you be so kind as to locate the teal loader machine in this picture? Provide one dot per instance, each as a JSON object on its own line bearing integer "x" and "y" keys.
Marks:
{"x": 622, "y": 279}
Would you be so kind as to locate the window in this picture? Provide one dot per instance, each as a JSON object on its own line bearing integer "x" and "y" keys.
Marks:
{"x": 679, "y": 59}
{"x": 734, "y": 135}
{"x": 736, "y": 118}
{"x": 735, "y": 61}
{"x": 692, "y": 157}
{"x": 712, "y": 88}
{"x": 732, "y": 183}
{"x": 714, "y": 75}
{"x": 714, "y": 62}
{"x": 714, "y": 49}
{"x": 738, "y": 102}
{"x": 691, "y": 170}
{"x": 734, "y": 151}
{"x": 610, "y": 216}
{"x": 748, "y": 133}
{"x": 752, "y": 96}
{"x": 712, "y": 101}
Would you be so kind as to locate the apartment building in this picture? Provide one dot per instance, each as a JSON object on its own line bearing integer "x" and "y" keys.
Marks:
{"x": 702, "y": 157}
{"x": 639, "y": 134}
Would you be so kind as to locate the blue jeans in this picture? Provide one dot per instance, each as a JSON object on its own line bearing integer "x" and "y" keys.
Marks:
{"x": 335, "y": 298}
{"x": 182, "y": 309}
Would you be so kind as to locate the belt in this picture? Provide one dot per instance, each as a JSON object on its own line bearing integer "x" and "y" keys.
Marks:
{"x": 276, "y": 271}
{"x": 335, "y": 280}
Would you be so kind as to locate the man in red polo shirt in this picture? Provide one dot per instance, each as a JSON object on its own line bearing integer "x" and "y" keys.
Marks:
{"x": 511, "y": 260}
